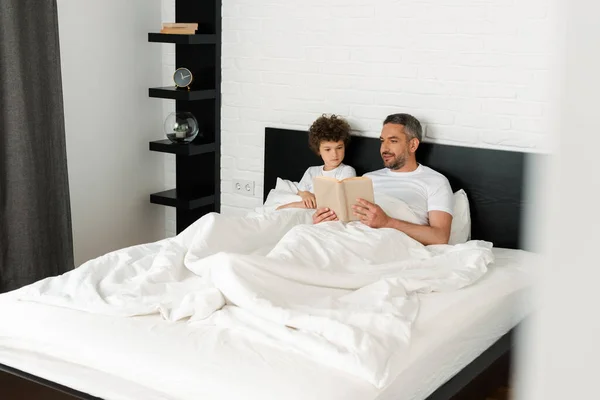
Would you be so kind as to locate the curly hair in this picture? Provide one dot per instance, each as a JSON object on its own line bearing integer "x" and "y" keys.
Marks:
{"x": 328, "y": 129}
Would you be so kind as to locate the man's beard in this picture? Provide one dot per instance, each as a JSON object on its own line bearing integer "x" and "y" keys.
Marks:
{"x": 396, "y": 163}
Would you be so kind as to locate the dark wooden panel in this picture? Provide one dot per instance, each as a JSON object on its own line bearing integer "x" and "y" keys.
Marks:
{"x": 201, "y": 12}
{"x": 17, "y": 384}
{"x": 204, "y": 111}
{"x": 217, "y": 103}
{"x": 187, "y": 201}
{"x": 182, "y": 39}
{"x": 193, "y": 149}
{"x": 200, "y": 60}
{"x": 493, "y": 179}
{"x": 173, "y": 92}
{"x": 286, "y": 156}
{"x": 187, "y": 217}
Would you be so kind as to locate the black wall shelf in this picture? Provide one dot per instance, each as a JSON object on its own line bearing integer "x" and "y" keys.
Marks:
{"x": 191, "y": 201}
{"x": 198, "y": 164}
{"x": 182, "y": 39}
{"x": 192, "y": 149}
{"x": 175, "y": 93}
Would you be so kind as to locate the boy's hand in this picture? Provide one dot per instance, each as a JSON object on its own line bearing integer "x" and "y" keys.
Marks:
{"x": 308, "y": 199}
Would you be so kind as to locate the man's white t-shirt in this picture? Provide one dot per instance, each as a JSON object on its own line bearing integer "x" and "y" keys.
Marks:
{"x": 423, "y": 190}
{"x": 341, "y": 172}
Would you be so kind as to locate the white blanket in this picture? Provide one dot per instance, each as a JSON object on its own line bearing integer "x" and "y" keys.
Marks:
{"x": 342, "y": 294}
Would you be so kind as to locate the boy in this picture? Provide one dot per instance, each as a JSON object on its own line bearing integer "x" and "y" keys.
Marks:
{"x": 328, "y": 137}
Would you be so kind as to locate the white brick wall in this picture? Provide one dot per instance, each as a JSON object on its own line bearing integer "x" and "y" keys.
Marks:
{"x": 475, "y": 72}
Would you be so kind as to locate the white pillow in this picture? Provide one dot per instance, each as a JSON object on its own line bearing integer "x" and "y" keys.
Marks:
{"x": 395, "y": 208}
{"x": 460, "y": 232}
{"x": 283, "y": 185}
{"x": 285, "y": 192}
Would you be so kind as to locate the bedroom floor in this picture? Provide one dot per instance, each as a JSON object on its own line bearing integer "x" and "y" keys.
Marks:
{"x": 502, "y": 393}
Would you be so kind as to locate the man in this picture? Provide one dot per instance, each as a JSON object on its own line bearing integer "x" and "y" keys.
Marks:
{"x": 425, "y": 191}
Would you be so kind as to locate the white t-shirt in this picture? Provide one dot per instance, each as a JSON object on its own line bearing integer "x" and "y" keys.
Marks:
{"x": 423, "y": 190}
{"x": 341, "y": 172}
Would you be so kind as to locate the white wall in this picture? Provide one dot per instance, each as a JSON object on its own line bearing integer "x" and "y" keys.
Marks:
{"x": 476, "y": 73}
{"x": 107, "y": 67}
{"x": 559, "y": 351}
{"x": 168, "y": 106}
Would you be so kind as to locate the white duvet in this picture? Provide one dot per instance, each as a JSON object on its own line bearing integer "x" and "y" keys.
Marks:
{"x": 342, "y": 294}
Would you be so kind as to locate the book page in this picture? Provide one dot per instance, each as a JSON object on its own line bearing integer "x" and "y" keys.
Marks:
{"x": 330, "y": 193}
{"x": 357, "y": 188}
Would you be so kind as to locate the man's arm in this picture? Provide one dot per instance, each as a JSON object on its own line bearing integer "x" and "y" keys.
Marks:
{"x": 437, "y": 232}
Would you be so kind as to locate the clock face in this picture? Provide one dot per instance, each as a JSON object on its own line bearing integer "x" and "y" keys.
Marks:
{"x": 182, "y": 77}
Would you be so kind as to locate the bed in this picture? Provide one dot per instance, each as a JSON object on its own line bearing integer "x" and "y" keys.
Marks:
{"x": 457, "y": 337}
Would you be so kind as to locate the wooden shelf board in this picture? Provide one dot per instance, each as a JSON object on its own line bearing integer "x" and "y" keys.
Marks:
{"x": 203, "y": 197}
{"x": 175, "y": 93}
{"x": 182, "y": 39}
{"x": 192, "y": 149}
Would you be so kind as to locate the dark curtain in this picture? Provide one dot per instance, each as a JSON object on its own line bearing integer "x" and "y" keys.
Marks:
{"x": 35, "y": 220}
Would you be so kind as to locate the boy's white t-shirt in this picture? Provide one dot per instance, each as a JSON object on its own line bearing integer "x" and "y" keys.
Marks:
{"x": 341, "y": 172}
{"x": 423, "y": 190}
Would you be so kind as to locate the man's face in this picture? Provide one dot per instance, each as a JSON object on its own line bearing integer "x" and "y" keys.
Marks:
{"x": 332, "y": 153}
{"x": 395, "y": 146}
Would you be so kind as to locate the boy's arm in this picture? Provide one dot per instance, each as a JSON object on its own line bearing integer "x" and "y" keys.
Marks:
{"x": 295, "y": 204}
{"x": 308, "y": 199}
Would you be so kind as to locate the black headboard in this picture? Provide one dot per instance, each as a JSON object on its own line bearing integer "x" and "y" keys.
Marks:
{"x": 492, "y": 179}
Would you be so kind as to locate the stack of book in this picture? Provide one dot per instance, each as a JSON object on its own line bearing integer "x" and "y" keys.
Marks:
{"x": 179, "y": 28}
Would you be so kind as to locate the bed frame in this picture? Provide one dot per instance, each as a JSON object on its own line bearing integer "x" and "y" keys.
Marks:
{"x": 493, "y": 181}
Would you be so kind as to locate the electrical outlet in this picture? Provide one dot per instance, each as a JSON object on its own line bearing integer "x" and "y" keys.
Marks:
{"x": 242, "y": 187}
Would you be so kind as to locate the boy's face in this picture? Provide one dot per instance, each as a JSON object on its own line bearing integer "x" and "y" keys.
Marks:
{"x": 332, "y": 153}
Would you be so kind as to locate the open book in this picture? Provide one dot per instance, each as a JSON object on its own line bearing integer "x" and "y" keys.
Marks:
{"x": 340, "y": 196}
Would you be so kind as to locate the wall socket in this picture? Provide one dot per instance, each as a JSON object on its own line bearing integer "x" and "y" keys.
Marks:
{"x": 242, "y": 187}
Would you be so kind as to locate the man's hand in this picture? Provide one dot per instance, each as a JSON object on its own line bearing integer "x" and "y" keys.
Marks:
{"x": 308, "y": 199}
{"x": 324, "y": 215}
{"x": 371, "y": 214}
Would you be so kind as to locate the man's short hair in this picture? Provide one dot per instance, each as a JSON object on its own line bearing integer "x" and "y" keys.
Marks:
{"x": 412, "y": 126}
{"x": 328, "y": 129}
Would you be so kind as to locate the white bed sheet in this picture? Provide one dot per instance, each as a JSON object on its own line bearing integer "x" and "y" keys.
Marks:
{"x": 149, "y": 358}
{"x": 454, "y": 328}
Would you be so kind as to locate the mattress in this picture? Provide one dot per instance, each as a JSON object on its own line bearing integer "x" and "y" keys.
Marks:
{"x": 147, "y": 357}
{"x": 454, "y": 328}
